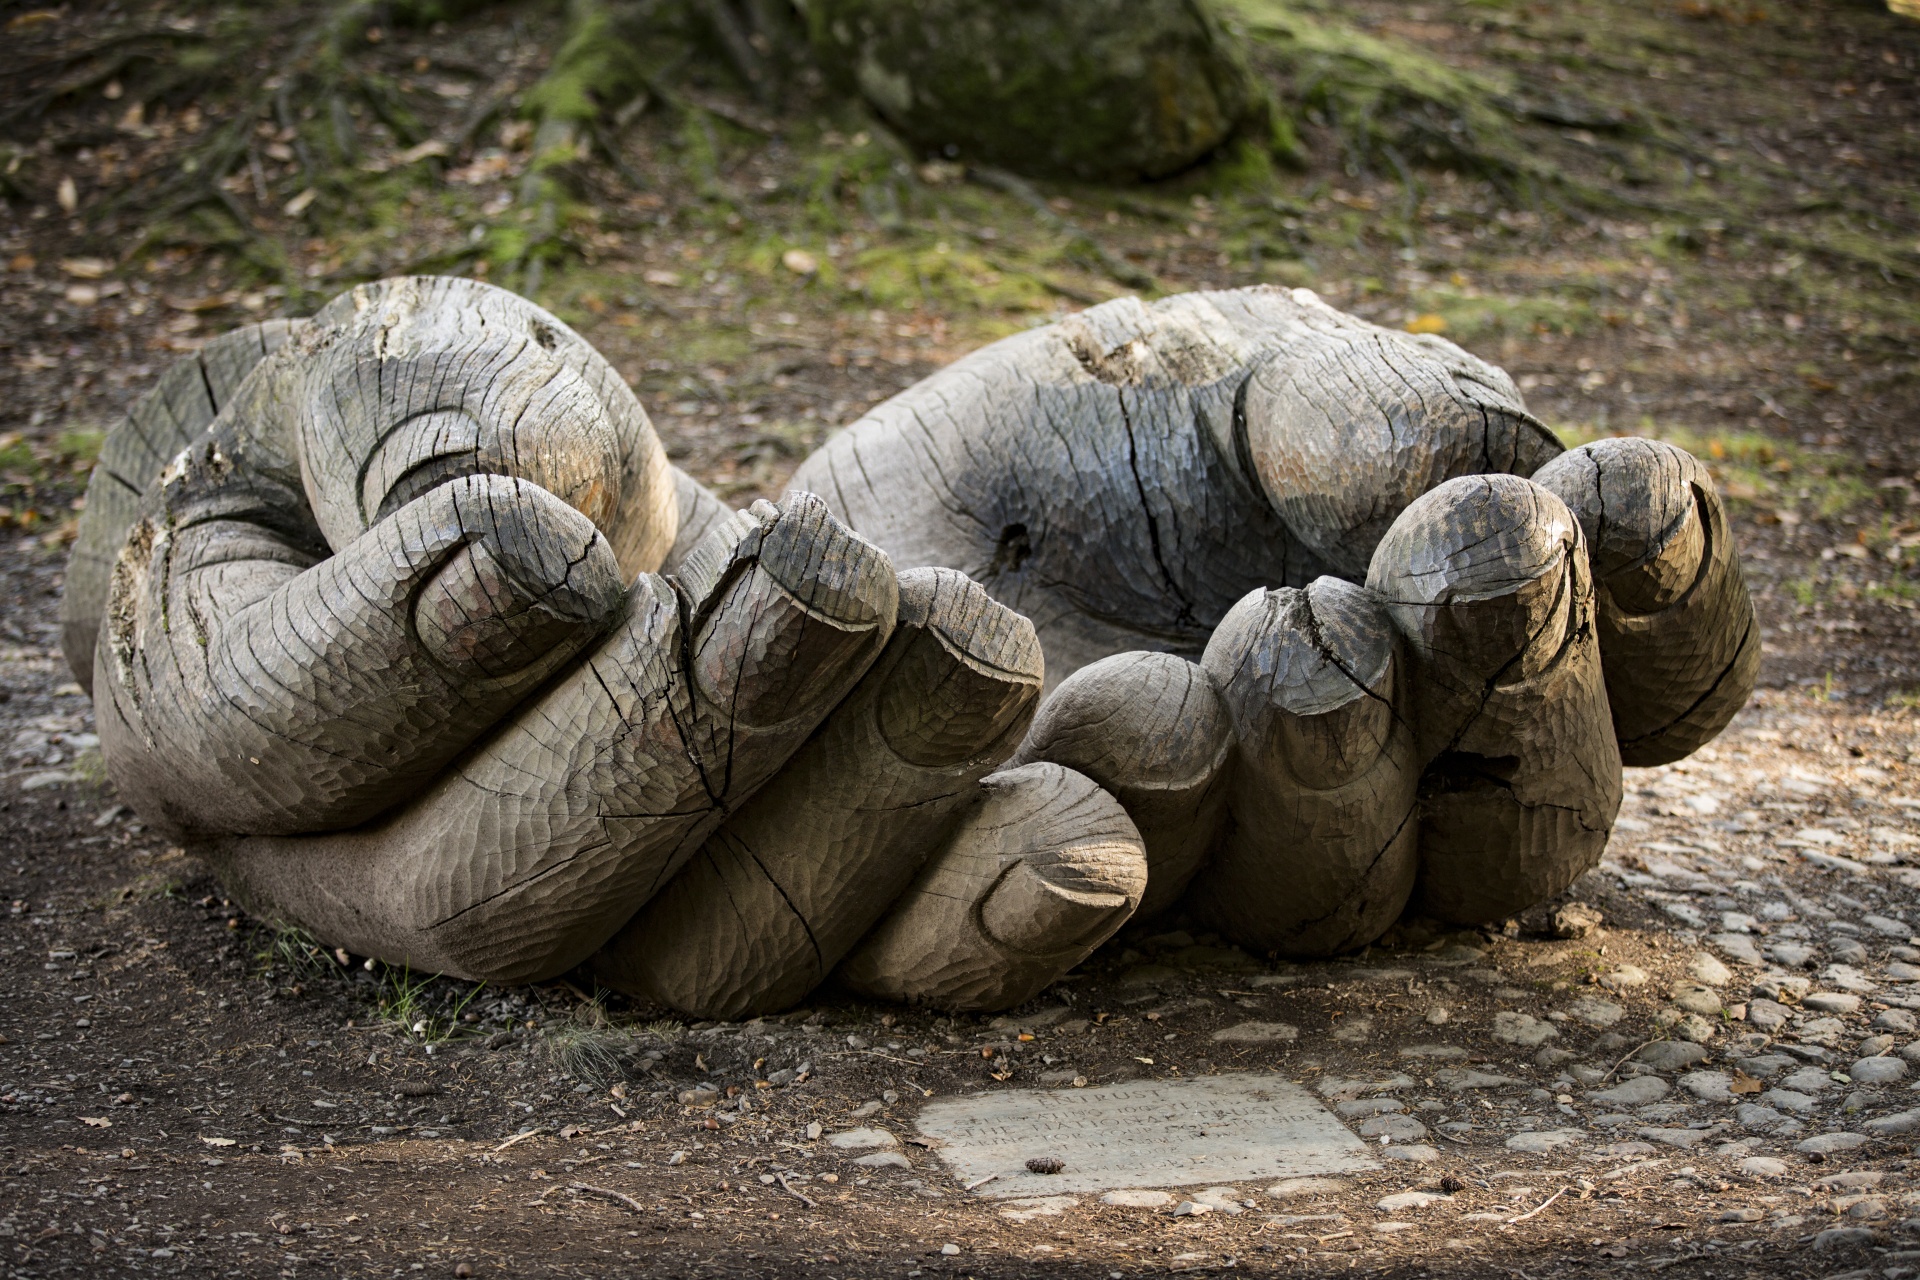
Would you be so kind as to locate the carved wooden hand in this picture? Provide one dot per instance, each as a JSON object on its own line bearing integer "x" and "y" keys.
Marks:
{"x": 401, "y": 616}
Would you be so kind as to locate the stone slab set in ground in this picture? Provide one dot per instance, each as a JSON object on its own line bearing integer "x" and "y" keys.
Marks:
{"x": 1143, "y": 1133}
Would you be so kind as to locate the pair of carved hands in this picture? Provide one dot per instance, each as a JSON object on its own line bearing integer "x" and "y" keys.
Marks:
{"x": 402, "y": 617}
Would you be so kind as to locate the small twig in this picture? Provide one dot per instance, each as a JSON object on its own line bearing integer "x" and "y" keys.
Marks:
{"x": 795, "y": 1192}
{"x": 518, "y": 1137}
{"x": 619, "y": 1197}
{"x": 1623, "y": 1062}
{"x": 977, "y": 1183}
{"x": 1543, "y": 1204}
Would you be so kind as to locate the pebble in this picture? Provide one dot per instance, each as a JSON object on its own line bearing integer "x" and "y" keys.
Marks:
{"x": 1886, "y": 1126}
{"x": 1763, "y": 1167}
{"x": 1896, "y": 1020}
{"x": 1408, "y": 1200}
{"x": 1596, "y": 1012}
{"x": 1221, "y": 1199}
{"x": 1624, "y": 977}
{"x": 1696, "y": 998}
{"x": 1887, "y": 927}
{"x": 1834, "y": 1238}
{"x": 882, "y": 1160}
{"x": 1539, "y": 1141}
{"x": 1772, "y": 984}
{"x": 1432, "y": 1051}
{"x": 1875, "y": 1046}
{"x": 1390, "y": 1228}
{"x": 1257, "y": 1033}
{"x": 1460, "y": 1079}
{"x": 1708, "y": 1086}
{"x": 1370, "y": 1107}
{"x": 1752, "y": 1115}
{"x": 1394, "y": 1128}
{"x": 1768, "y": 1015}
{"x": 1677, "y": 1137}
{"x": 1794, "y": 955}
{"x": 1522, "y": 1029}
{"x": 1191, "y": 1209}
{"x": 1671, "y": 1055}
{"x": 1807, "y": 1080}
{"x": 1827, "y": 1144}
{"x": 1880, "y": 1070}
{"x": 1137, "y": 1199}
{"x": 1741, "y": 1215}
{"x": 1417, "y": 1152}
{"x": 1737, "y": 947}
{"x": 1790, "y": 1099}
{"x": 1832, "y": 1002}
{"x": 1823, "y": 1031}
{"x": 1637, "y": 1092}
{"x": 1708, "y": 969}
{"x": 860, "y": 1139}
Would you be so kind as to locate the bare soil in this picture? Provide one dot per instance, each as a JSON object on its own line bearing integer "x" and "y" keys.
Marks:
{"x": 183, "y": 1091}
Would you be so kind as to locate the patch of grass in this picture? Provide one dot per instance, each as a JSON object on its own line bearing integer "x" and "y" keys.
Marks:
{"x": 940, "y": 275}
{"x": 1469, "y": 315}
{"x": 591, "y": 1055}
{"x": 406, "y": 1000}
{"x": 292, "y": 949}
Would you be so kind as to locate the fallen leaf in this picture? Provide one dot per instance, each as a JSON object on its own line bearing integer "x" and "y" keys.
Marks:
{"x": 1148, "y": 1061}
{"x": 96, "y": 1122}
{"x": 298, "y": 205}
{"x": 68, "y": 195}
{"x": 217, "y": 1142}
{"x": 83, "y": 268}
{"x": 800, "y": 262}
{"x": 1428, "y": 323}
{"x": 35, "y": 18}
{"x": 415, "y": 154}
{"x": 1744, "y": 1083}
{"x": 665, "y": 279}
{"x": 82, "y": 295}
{"x": 23, "y": 262}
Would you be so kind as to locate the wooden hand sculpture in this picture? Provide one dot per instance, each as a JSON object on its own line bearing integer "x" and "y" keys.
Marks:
{"x": 402, "y": 618}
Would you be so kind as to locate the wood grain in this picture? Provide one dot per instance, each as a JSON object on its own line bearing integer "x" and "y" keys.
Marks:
{"x": 1678, "y": 636}
{"x": 1152, "y": 731}
{"x": 1486, "y": 578}
{"x": 779, "y": 895}
{"x": 1044, "y": 869}
{"x": 1319, "y": 851}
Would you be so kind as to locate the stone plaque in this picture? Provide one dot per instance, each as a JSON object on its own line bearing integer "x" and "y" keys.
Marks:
{"x": 1144, "y": 1133}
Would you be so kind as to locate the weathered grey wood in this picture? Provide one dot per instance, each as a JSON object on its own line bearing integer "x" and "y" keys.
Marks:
{"x": 526, "y": 856}
{"x": 1487, "y": 579}
{"x": 780, "y": 894}
{"x": 1044, "y": 870}
{"x": 1320, "y": 849}
{"x": 1678, "y": 637}
{"x": 160, "y": 424}
{"x": 1104, "y": 475}
{"x": 253, "y": 684}
{"x": 700, "y": 513}
{"x": 1151, "y": 730}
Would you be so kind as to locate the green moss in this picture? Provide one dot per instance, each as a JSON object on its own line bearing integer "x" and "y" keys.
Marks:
{"x": 1389, "y": 102}
{"x": 1470, "y": 316}
{"x": 596, "y": 68}
{"x": 940, "y": 275}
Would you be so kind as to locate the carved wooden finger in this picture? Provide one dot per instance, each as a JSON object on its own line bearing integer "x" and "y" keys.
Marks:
{"x": 527, "y": 855}
{"x": 1678, "y": 637}
{"x": 1151, "y": 731}
{"x": 1044, "y": 870}
{"x": 788, "y": 885}
{"x": 160, "y": 424}
{"x": 1320, "y": 849}
{"x": 1487, "y": 579}
{"x": 1126, "y": 476}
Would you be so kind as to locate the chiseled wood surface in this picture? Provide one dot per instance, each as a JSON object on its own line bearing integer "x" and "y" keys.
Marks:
{"x": 1678, "y": 637}
{"x": 1044, "y": 869}
{"x": 371, "y": 608}
{"x": 1152, "y": 731}
{"x": 1125, "y": 476}
{"x": 1320, "y": 846}
{"x": 787, "y": 886}
{"x": 1486, "y": 578}
{"x": 525, "y": 857}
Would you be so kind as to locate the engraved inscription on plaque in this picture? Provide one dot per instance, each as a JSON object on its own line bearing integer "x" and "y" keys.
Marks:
{"x": 1145, "y": 1133}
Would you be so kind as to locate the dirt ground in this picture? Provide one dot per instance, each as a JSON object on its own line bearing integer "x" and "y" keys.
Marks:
{"x": 184, "y": 1091}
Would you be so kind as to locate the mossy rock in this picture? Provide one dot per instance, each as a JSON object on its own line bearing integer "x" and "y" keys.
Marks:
{"x": 1098, "y": 89}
